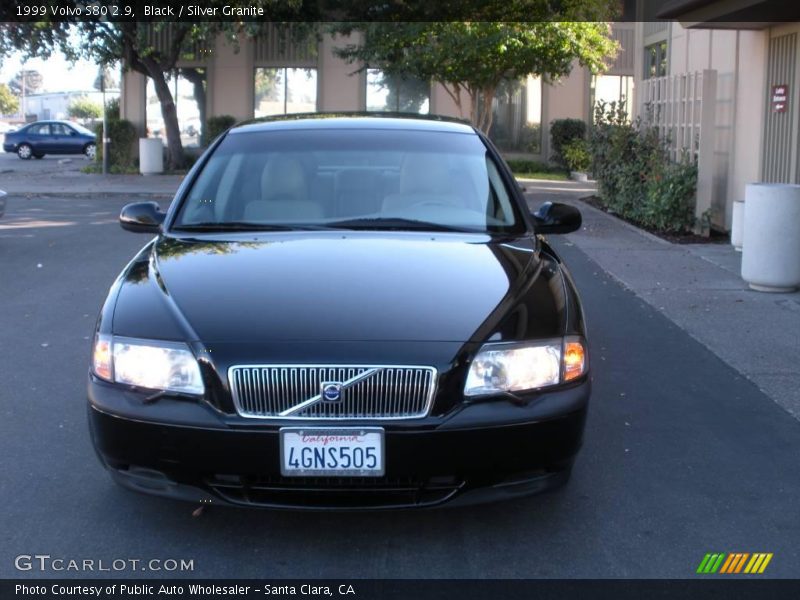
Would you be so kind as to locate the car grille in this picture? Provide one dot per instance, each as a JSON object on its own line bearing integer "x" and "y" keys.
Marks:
{"x": 365, "y": 391}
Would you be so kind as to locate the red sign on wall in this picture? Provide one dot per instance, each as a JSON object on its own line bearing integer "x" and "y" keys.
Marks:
{"x": 779, "y": 98}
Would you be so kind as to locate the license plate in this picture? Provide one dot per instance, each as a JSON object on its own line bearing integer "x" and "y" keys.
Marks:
{"x": 356, "y": 452}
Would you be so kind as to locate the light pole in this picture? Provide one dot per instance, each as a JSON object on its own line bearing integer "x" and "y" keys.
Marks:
{"x": 105, "y": 120}
{"x": 24, "y": 76}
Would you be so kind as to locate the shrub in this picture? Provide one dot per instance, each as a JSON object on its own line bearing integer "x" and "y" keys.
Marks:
{"x": 576, "y": 155}
{"x": 636, "y": 177}
{"x": 530, "y": 166}
{"x": 112, "y": 109}
{"x": 562, "y": 132}
{"x": 217, "y": 125}
{"x": 122, "y": 134}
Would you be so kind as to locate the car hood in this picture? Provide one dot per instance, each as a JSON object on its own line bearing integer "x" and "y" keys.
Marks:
{"x": 334, "y": 287}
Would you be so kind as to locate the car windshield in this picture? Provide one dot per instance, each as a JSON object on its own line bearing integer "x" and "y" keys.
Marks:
{"x": 373, "y": 179}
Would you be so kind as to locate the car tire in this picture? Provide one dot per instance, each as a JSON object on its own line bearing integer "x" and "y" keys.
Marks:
{"x": 38, "y": 156}
{"x": 24, "y": 151}
{"x": 90, "y": 150}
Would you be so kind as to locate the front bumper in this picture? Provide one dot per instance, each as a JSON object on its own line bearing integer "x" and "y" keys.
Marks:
{"x": 478, "y": 452}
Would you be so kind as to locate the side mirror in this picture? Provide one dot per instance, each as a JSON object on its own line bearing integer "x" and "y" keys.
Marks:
{"x": 555, "y": 217}
{"x": 141, "y": 217}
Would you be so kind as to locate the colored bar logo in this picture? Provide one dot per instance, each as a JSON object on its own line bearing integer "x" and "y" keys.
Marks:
{"x": 733, "y": 563}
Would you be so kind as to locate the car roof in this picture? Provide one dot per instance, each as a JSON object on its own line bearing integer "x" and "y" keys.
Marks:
{"x": 395, "y": 121}
{"x": 47, "y": 121}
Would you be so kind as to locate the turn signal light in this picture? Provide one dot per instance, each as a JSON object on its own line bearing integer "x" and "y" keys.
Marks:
{"x": 574, "y": 360}
{"x": 101, "y": 359}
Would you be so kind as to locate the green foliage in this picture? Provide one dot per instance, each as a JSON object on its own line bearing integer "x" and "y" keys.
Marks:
{"x": 533, "y": 169}
{"x": 137, "y": 43}
{"x": 9, "y": 103}
{"x": 518, "y": 165}
{"x": 636, "y": 177}
{"x": 562, "y": 132}
{"x": 112, "y": 109}
{"x": 218, "y": 124}
{"x": 122, "y": 134}
{"x": 84, "y": 108}
{"x": 473, "y": 58}
{"x": 32, "y": 80}
{"x": 576, "y": 155}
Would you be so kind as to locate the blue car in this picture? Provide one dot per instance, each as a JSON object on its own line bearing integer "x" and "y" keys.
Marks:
{"x": 50, "y": 137}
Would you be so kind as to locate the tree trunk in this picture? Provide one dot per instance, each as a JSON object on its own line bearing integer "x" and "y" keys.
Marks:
{"x": 197, "y": 79}
{"x": 488, "y": 115}
{"x": 473, "y": 109}
{"x": 169, "y": 114}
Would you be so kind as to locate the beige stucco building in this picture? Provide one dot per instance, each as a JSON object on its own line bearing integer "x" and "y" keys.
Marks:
{"x": 245, "y": 81}
{"x": 707, "y": 80}
{"x": 742, "y": 131}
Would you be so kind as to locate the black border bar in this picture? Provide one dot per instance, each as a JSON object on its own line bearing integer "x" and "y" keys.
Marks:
{"x": 723, "y": 588}
{"x": 370, "y": 10}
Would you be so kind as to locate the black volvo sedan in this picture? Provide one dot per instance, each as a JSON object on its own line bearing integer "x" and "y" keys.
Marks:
{"x": 342, "y": 312}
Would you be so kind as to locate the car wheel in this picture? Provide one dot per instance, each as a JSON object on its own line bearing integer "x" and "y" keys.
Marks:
{"x": 24, "y": 151}
{"x": 90, "y": 151}
{"x": 38, "y": 156}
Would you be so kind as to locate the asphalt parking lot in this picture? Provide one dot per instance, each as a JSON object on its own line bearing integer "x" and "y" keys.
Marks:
{"x": 682, "y": 455}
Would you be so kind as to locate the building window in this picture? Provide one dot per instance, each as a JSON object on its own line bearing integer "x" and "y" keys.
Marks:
{"x": 387, "y": 93}
{"x": 283, "y": 91}
{"x": 188, "y": 87}
{"x": 655, "y": 60}
{"x": 612, "y": 88}
{"x": 517, "y": 118}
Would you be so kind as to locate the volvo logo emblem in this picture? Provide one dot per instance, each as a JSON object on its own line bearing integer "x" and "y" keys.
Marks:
{"x": 331, "y": 391}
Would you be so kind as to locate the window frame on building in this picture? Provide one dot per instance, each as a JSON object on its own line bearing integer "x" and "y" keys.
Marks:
{"x": 285, "y": 70}
{"x": 659, "y": 67}
{"x": 373, "y": 70}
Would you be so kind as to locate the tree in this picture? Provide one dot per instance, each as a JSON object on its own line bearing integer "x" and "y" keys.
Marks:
{"x": 111, "y": 79}
{"x": 9, "y": 103}
{"x": 134, "y": 43}
{"x": 84, "y": 108}
{"x": 473, "y": 58}
{"x": 197, "y": 77}
{"x": 33, "y": 82}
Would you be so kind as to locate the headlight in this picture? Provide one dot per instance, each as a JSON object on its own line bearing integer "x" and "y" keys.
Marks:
{"x": 519, "y": 367}
{"x": 150, "y": 364}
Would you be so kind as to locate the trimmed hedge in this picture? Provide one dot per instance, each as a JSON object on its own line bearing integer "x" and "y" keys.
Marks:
{"x": 518, "y": 165}
{"x": 122, "y": 134}
{"x": 217, "y": 125}
{"x": 636, "y": 177}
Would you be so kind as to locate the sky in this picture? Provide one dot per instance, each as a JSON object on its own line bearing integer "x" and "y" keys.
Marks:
{"x": 58, "y": 74}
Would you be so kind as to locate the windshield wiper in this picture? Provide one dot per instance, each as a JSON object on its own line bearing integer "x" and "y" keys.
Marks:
{"x": 244, "y": 226}
{"x": 397, "y": 223}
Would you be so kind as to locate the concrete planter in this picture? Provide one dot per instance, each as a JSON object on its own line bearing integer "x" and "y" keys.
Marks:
{"x": 737, "y": 225}
{"x": 151, "y": 156}
{"x": 578, "y": 176}
{"x": 771, "y": 243}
